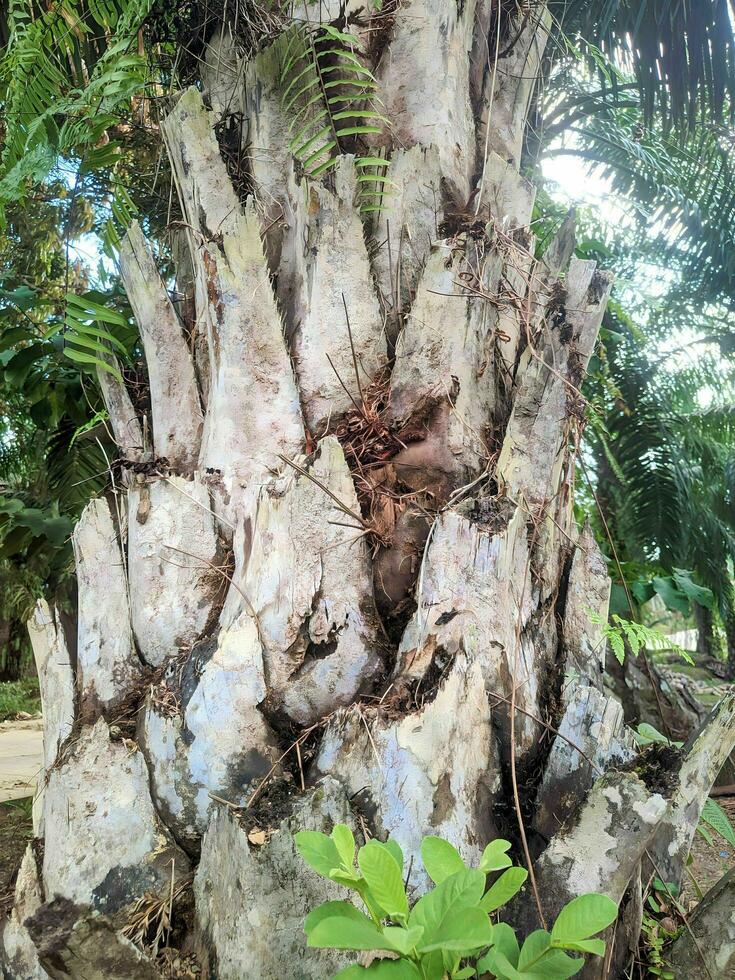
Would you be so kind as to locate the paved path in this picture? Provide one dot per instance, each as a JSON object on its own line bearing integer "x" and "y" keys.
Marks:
{"x": 21, "y": 758}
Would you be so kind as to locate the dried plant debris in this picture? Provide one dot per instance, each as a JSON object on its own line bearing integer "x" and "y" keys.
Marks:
{"x": 153, "y": 919}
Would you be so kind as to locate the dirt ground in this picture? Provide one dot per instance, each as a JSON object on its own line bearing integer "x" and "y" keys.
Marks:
{"x": 16, "y": 829}
{"x": 21, "y": 757}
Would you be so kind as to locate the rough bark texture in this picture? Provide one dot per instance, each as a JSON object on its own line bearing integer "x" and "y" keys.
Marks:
{"x": 177, "y": 419}
{"x": 390, "y": 572}
{"x": 107, "y": 662}
{"x": 247, "y": 893}
{"x": 707, "y": 950}
{"x": 19, "y": 954}
{"x": 74, "y": 941}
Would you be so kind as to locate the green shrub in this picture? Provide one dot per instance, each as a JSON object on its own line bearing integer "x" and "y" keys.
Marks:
{"x": 448, "y": 932}
{"x": 18, "y": 696}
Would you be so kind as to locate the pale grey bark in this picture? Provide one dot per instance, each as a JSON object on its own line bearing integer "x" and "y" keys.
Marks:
{"x": 407, "y": 594}
{"x": 173, "y": 565}
{"x": 104, "y": 842}
{"x": 329, "y": 264}
{"x": 127, "y": 431}
{"x": 247, "y": 893}
{"x": 704, "y": 756}
{"x": 18, "y": 953}
{"x": 600, "y": 850}
{"x": 56, "y": 683}
{"x": 177, "y": 419}
{"x": 107, "y": 662}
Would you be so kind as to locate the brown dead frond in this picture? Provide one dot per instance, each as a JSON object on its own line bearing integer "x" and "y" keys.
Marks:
{"x": 165, "y": 700}
{"x": 150, "y": 918}
{"x": 364, "y": 434}
{"x": 165, "y": 682}
{"x": 370, "y": 441}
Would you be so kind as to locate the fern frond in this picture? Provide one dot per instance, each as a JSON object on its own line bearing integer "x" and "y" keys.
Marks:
{"x": 619, "y": 632}
{"x": 331, "y": 96}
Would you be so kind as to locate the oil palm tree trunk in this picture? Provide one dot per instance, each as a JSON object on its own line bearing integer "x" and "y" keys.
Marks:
{"x": 344, "y": 581}
{"x": 705, "y": 630}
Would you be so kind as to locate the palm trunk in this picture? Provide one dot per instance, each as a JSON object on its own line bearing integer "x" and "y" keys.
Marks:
{"x": 11, "y": 649}
{"x": 705, "y": 630}
{"x": 346, "y": 584}
{"x": 729, "y": 624}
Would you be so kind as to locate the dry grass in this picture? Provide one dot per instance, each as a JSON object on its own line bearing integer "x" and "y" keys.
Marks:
{"x": 150, "y": 919}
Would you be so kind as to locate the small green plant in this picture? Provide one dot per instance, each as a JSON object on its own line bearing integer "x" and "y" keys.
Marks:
{"x": 619, "y": 631}
{"x": 659, "y": 927}
{"x": 646, "y": 734}
{"x": 714, "y": 817}
{"x": 447, "y": 932}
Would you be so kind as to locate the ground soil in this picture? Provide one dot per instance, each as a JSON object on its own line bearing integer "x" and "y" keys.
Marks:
{"x": 16, "y": 829}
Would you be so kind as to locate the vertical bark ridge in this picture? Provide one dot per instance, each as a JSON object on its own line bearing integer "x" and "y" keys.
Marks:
{"x": 107, "y": 661}
{"x": 56, "y": 678}
{"x": 330, "y": 271}
{"x": 404, "y": 229}
{"x": 126, "y": 428}
{"x": 203, "y": 734}
{"x": 56, "y": 683}
{"x": 550, "y": 376}
{"x": 428, "y": 765}
{"x": 320, "y": 641}
{"x": 508, "y": 85}
{"x": 424, "y": 83}
{"x": 18, "y": 952}
{"x": 442, "y": 381}
{"x": 173, "y": 556}
{"x": 253, "y": 407}
{"x": 177, "y": 425}
{"x": 266, "y": 139}
{"x": 104, "y": 843}
{"x": 271, "y": 880}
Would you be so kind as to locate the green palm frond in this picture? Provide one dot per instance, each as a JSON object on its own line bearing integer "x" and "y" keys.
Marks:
{"x": 66, "y": 76}
{"x": 682, "y": 53}
{"x": 77, "y": 467}
{"x": 680, "y": 193}
{"x": 90, "y": 329}
{"x": 670, "y": 488}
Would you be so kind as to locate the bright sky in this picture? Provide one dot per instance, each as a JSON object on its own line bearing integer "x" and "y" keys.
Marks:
{"x": 576, "y": 183}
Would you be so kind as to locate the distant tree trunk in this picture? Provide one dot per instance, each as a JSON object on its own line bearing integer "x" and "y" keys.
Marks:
{"x": 346, "y": 584}
{"x": 13, "y": 647}
{"x": 729, "y": 625}
{"x": 7, "y": 668}
{"x": 705, "y": 630}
